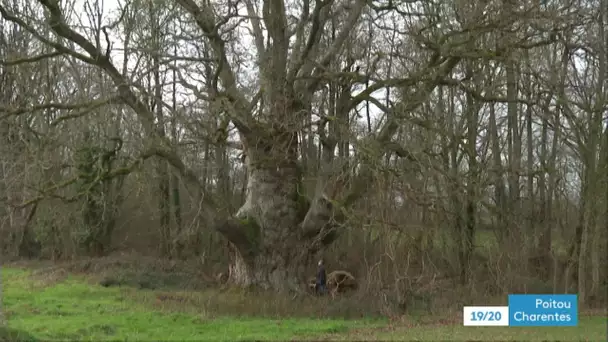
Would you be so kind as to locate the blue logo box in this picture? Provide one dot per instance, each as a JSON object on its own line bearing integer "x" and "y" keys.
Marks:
{"x": 543, "y": 310}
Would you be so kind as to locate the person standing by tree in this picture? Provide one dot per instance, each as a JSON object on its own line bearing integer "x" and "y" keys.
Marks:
{"x": 321, "y": 284}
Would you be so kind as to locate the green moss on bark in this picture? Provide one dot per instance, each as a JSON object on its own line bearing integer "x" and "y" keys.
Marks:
{"x": 252, "y": 232}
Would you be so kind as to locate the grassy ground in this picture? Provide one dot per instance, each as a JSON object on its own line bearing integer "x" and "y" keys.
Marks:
{"x": 59, "y": 306}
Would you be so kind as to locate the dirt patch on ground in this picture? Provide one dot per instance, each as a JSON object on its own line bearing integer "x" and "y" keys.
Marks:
{"x": 44, "y": 278}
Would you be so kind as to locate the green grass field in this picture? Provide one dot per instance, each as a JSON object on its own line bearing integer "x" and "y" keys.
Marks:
{"x": 70, "y": 307}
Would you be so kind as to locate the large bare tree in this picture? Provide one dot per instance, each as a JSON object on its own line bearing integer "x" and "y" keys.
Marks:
{"x": 315, "y": 66}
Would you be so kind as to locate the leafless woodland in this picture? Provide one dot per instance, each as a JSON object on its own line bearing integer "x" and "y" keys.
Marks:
{"x": 424, "y": 146}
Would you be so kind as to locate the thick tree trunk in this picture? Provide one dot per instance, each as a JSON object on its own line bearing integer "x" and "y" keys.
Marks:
{"x": 270, "y": 251}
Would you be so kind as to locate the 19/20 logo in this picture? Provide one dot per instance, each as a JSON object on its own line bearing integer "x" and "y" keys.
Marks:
{"x": 477, "y": 316}
{"x": 486, "y": 316}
